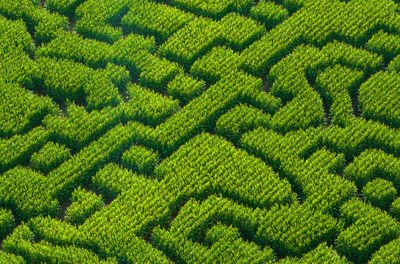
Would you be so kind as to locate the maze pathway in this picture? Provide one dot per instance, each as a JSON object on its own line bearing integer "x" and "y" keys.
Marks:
{"x": 199, "y": 131}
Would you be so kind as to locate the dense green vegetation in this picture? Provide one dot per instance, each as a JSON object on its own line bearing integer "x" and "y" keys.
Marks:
{"x": 199, "y": 131}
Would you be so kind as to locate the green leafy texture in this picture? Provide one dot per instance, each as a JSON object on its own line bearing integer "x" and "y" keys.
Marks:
{"x": 74, "y": 172}
{"x": 46, "y": 25}
{"x": 147, "y": 106}
{"x": 22, "y": 189}
{"x": 64, "y": 7}
{"x": 79, "y": 127}
{"x": 373, "y": 163}
{"x": 11, "y": 258}
{"x": 13, "y": 34}
{"x": 191, "y": 42}
{"x": 118, "y": 75}
{"x": 65, "y": 79}
{"x": 380, "y": 98}
{"x": 354, "y": 24}
{"x": 22, "y": 242}
{"x": 72, "y": 46}
{"x": 394, "y": 65}
{"x": 94, "y": 18}
{"x": 202, "y": 112}
{"x": 219, "y": 62}
{"x": 239, "y": 31}
{"x": 295, "y": 230}
{"x": 150, "y": 18}
{"x": 7, "y": 223}
{"x": 229, "y": 247}
{"x": 305, "y": 110}
{"x": 60, "y": 232}
{"x": 19, "y": 148}
{"x": 213, "y": 164}
{"x": 335, "y": 85}
{"x": 322, "y": 254}
{"x": 387, "y": 254}
{"x": 240, "y": 119}
{"x": 384, "y": 43}
{"x": 49, "y": 157}
{"x": 314, "y": 177}
{"x": 223, "y": 244}
{"x": 395, "y": 208}
{"x": 380, "y": 193}
{"x": 371, "y": 228}
{"x": 140, "y": 159}
{"x": 84, "y": 204}
{"x": 16, "y": 67}
{"x": 185, "y": 88}
{"x": 155, "y": 72}
{"x": 269, "y": 13}
{"x": 21, "y": 110}
{"x": 213, "y": 8}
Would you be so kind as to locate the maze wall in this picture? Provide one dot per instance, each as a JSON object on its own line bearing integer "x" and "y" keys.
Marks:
{"x": 199, "y": 131}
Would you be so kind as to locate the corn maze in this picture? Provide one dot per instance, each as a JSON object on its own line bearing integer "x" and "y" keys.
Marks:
{"x": 199, "y": 131}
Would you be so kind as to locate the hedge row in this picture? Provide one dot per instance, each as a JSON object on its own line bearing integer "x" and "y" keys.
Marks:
{"x": 18, "y": 149}
{"x": 311, "y": 26}
{"x": 379, "y": 98}
{"x": 65, "y": 79}
{"x": 204, "y": 222}
{"x": 214, "y": 8}
{"x": 150, "y": 18}
{"x": 371, "y": 228}
{"x": 22, "y": 242}
{"x": 140, "y": 159}
{"x": 240, "y": 119}
{"x": 21, "y": 110}
{"x": 226, "y": 170}
{"x": 46, "y": 25}
{"x": 84, "y": 204}
{"x": 336, "y": 84}
{"x": 49, "y": 157}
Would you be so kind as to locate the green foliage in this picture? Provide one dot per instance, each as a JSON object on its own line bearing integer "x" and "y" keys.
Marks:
{"x": 144, "y": 85}
{"x": 384, "y": 43}
{"x": 295, "y": 230}
{"x": 321, "y": 254}
{"x": 240, "y": 31}
{"x": 379, "y": 98}
{"x": 140, "y": 159}
{"x": 83, "y": 205}
{"x": 147, "y": 106}
{"x": 213, "y": 8}
{"x": 78, "y": 128}
{"x": 21, "y": 110}
{"x": 65, "y": 79}
{"x": 240, "y": 119}
{"x": 64, "y": 7}
{"x": 269, "y": 13}
{"x": 395, "y": 208}
{"x": 19, "y": 148}
{"x": 380, "y": 193}
{"x": 191, "y": 41}
{"x": 7, "y": 223}
{"x": 11, "y": 258}
{"x": 150, "y": 18}
{"x": 94, "y": 17}
{"x": 46, "y": 25}
{"x": 49, "y": 157}
{"x": 371, "y": 229}
{"x": 20, "y": 190}
{"x": 22, "y": 242}
{"x": 218, "y": 63}
{"x": 185, "y": 88}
